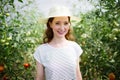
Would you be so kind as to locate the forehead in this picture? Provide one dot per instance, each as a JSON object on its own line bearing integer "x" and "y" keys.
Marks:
{"x": 62, "y": 18}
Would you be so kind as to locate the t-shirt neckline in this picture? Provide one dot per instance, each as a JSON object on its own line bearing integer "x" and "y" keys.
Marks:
{"x": 62, "y": 47}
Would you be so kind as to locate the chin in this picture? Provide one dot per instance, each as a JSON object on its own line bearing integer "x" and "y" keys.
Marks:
{"x": 61, "y": 36}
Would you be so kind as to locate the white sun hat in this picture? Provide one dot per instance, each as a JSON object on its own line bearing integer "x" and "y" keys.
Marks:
{"x": 58, "y": 11}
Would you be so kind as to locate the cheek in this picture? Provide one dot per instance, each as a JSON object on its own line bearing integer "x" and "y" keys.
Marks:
{"x": 55, "y": 28}
{"x": 68, "y": 27}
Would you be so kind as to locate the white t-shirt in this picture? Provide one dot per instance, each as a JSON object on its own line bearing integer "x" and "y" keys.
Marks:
{"x": 59, "y": 63}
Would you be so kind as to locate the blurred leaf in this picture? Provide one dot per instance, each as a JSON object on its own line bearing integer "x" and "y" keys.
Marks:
{"x": 20, "y": 1}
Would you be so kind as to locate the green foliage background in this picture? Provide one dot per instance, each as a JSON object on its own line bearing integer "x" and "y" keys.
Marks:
{"x": 19, "y": 35}
{"x": 98, "y": 33}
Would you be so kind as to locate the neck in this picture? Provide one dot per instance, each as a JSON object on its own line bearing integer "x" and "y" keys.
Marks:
{"x": 58, "y": 42}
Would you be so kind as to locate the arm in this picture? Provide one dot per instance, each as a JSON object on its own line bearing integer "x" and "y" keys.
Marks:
{"x": 39, "y": 71}
{"x": 78, "y": 72}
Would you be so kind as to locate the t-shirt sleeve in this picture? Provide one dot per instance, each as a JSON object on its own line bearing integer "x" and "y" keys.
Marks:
{"x": 37, "y": 55}
{"x": 78, "y": 50}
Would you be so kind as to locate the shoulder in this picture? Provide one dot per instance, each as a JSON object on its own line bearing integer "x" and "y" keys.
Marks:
{"x": 40, "y": 53}
{"x": 76, "y": 46}
{"x": 41, "y": 49}
{"x": 73, "y": 43}
{"x": 42, "y": 46}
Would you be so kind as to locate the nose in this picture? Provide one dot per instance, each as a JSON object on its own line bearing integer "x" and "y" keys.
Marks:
{"x": 62, "y": 27}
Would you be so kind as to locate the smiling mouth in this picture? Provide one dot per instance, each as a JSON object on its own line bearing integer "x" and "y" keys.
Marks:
{"x": 61, "y": 32}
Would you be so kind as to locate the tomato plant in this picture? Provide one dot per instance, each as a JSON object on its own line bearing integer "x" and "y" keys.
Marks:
{"x": 17, "y": 41}
{"x": 99, "y": 35}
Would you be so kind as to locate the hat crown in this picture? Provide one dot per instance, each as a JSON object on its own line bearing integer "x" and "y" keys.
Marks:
{"x": 59, "y": 11}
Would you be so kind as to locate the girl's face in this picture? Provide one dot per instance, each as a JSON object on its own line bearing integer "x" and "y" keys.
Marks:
{"x": 60, "y": 26}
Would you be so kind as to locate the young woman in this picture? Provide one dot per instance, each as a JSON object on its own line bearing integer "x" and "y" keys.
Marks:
{"x": 58, "y": 57}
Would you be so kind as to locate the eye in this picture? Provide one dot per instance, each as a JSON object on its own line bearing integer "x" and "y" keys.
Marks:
{"x": 66, "y": 23}
{"x": 57, "y": 23}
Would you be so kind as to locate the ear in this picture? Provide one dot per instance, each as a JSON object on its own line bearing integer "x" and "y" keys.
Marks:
{"x": 69, "y": 24}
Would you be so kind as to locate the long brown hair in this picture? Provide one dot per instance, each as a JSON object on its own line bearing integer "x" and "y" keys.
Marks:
{"x": 48, "y": 36}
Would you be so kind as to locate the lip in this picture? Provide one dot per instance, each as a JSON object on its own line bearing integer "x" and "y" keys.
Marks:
{"x": 61, "y": 32}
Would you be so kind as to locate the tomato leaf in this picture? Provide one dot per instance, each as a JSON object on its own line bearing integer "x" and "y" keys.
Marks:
{"x": 20, "y": 1}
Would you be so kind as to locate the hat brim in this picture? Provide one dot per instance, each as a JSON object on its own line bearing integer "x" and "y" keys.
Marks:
{"x": 72, "y": 18}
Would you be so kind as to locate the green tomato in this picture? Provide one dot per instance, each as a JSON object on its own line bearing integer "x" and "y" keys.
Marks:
{"x": 7, "y": 14}
{"x": 7, "y": 43}
{"x": 9, "y": 38}
{"x": 2, "y": 40}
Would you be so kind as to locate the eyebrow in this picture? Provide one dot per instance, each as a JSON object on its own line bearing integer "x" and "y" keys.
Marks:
{"x": 61, "y": 21}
